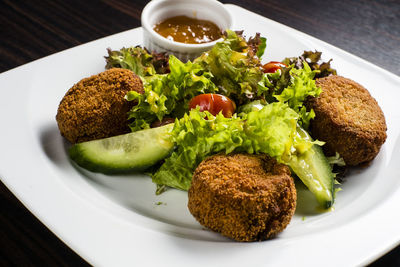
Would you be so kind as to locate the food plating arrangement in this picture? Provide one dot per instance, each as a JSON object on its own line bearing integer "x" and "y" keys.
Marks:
{"x": 238, "y": 134}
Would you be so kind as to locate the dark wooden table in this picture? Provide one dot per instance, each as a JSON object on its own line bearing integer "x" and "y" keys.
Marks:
{"x": 30, "y": 30}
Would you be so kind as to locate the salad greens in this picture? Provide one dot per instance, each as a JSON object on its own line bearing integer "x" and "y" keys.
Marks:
{"x": 271, "y": 117}
{"x": 168, "y": 94}
{"x": 139, "y": 60}
{"x": 314, "y": 60}
{"x": 270, "y": 130}
{"x": 235, "y": 67}
{"x": 231, "y": 68}
{"x": 292, "y": 86}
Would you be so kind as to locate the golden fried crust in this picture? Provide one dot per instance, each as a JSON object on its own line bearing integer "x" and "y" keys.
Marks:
{"x": 348, "y": 119}
{"x": 95, "y": 107}
{"x": 244, "y": 197}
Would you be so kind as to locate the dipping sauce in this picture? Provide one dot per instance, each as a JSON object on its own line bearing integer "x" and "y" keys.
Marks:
{"x": 188, "y": 30}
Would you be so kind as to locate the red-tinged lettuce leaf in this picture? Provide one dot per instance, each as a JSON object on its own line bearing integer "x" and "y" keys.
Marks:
{"x": 139, "y": 60}
{"x": 313, "y": 59}
{"x": 235, "y": 67}
{"x": 291, "y": 85}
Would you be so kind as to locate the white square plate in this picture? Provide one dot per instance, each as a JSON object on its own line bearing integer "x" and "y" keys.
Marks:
{"x": 118, "y": 220}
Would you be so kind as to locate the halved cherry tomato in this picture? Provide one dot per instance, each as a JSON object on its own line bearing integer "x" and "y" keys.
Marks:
{"x": 213, "y": 103}
{"x": 273, "y": 66}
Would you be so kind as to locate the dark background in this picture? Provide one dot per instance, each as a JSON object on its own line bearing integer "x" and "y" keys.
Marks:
{"x": 30, "y": 30}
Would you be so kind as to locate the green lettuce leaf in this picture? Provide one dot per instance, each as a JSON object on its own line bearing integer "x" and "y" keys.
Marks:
{"x": 168, "y": 94}
{"x": 197, "y": 136}
{"x": 262, "y": 47}
{"x": 270, "y": 130}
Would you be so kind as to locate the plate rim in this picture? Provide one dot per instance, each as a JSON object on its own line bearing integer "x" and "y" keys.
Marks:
{"x": 79, "y": 251}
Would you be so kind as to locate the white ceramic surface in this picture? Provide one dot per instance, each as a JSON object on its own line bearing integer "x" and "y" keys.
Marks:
{"x": 158, "y": 10}
{"x": 119, "y": 221}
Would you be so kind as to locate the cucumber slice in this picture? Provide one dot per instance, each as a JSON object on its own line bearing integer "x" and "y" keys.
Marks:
{"x": 128, "y": 152}
{"x": 315, "y": 172}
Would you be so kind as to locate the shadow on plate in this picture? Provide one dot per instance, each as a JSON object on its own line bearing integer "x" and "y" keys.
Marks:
{"x": 53, "y": 144}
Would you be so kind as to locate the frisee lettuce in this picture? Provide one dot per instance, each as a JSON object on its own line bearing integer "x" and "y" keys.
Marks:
{"x": 230, "y": 67}
{"x": 168, "y": 94}
{"x": 292, "y": 86}
{"x": 314, "y": 60}
{"x": 235, "y": 67}
{"x": 138, "y": 60}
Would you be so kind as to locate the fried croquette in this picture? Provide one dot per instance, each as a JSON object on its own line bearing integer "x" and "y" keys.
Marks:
{"x": 348, "y": 119}
{"x": 243, "y": 197}
{"x": 95, "y": 107}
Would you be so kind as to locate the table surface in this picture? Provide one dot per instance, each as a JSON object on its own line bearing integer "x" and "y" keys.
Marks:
{"x": 33, "y": 29}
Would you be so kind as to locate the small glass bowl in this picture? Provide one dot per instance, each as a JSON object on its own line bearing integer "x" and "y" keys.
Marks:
{"x": 158, "y": 10}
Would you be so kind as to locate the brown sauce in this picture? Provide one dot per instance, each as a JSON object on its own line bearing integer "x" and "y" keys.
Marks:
{"x": 188, "y": 30}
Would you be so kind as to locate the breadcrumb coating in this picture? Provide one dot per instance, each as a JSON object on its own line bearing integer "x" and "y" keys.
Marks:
{"x": 95, "y": 107}
{"x": 243, "y": 197}
{"x": 348, "y": 119}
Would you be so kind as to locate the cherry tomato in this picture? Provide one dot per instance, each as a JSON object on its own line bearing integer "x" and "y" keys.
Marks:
{"x": 273, "y": 66}
{"x": 213, "y": 103}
